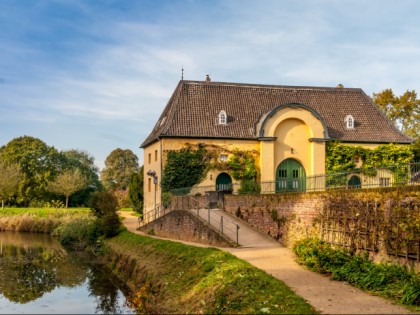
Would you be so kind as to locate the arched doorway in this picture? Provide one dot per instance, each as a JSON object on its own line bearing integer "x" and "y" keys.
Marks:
{"x": 290, "y": 176}
{"x": 354, "y": 182}
{"x": 224, "y": 182}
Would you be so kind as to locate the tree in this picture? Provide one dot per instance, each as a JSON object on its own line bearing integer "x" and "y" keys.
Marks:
{"x": 83, "y": 161}
{"x": 119, "y": 165}
{"x": 67, "y": 183}
{"x": 39, "y": 164}
{"x": 10, "y": 176}
{"x": 404, "y": 110}
{"x": 135, "y": 190}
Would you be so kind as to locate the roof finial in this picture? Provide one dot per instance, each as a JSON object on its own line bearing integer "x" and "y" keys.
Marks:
{"x": 208, "y": 78}
{"x": 182, "y": 73}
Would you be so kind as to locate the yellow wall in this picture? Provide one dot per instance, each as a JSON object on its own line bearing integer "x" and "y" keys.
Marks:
{"x": 292, "y": 128}
{"x": 167, "y": 144}
{"x": 152, "y": 161}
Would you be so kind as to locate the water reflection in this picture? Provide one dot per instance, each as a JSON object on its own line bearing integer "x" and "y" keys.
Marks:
{"x": 38, "y": 276}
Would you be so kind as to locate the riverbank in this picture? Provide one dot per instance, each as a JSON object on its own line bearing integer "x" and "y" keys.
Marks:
{"x": 168, "y": 277}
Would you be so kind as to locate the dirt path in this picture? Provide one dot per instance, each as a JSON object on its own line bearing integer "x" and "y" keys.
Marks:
{"x": 327, "y": 296}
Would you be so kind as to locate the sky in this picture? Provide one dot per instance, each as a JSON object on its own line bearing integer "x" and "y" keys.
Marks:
{"x": 95, "y": 75}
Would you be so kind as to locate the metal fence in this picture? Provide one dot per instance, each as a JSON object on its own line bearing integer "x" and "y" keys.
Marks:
{"x": 390, "y": 176}
{"x": 223, "y": 225}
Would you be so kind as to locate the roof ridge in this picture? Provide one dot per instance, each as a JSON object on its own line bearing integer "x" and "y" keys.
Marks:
{"x": 221, "y": 83}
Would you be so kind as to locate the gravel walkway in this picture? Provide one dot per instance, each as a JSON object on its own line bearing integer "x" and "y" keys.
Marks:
{"x": 327, "y": 296}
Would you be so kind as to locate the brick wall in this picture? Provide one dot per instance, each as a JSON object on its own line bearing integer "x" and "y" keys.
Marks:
{"x": 183, "y": 225}
{"x": 286, "y": 218}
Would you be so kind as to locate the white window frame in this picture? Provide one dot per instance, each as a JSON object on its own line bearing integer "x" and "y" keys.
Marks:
{"x": 223, "y": 157}
{"x": 349, "y": 120}
{"x": 222, "y": 118}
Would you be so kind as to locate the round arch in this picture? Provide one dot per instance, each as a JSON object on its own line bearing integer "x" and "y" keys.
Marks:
{"x": 290, "y": 176}
{"x": 224, "y": 182}
{"x": 354, "y": 182}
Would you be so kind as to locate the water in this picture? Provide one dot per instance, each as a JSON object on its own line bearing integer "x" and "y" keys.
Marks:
{"x": 37, "y": 275}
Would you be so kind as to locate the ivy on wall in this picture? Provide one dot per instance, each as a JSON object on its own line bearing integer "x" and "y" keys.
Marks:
{"x": 189, "y": 166}
{"x": 184, "y": 168}
{"x": 341, "y": 158}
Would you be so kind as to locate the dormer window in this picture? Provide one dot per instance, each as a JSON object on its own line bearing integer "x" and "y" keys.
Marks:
{"x": 349, "y": 120}
{"x": 222, "y": 118}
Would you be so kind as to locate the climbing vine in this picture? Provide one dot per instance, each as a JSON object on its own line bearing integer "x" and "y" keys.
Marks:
{"x": 184, "y": 168}
{"x": 189, "y": 166}
{"x": 341, "y": 158}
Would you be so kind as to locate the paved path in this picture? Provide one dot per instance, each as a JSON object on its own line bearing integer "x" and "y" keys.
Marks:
{"x": 327, "y": 296}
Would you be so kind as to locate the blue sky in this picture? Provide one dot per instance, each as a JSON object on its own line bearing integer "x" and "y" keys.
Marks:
{"x": 95, "y": 74}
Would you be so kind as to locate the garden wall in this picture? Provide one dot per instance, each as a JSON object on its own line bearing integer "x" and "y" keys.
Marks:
{"x": 183, "y": 225}
{"x": 385, "y": 222}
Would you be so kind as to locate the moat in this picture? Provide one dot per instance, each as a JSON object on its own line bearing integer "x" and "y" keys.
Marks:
{"x": 37, "y": 275}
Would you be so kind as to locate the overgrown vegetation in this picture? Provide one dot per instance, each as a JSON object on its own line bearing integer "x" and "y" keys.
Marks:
{"x": 44, "y": 220}
{"x": 188, "y": 279}
{"x": 189, "y": 166}
{"x": 341, "y": 157}
{"x": 393, "y": 281}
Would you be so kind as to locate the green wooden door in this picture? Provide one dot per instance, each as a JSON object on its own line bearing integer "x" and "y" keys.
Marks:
{"x": 223, "y": 182}
{"x": 354, "y": 182}
{"x": 290, "y": 176}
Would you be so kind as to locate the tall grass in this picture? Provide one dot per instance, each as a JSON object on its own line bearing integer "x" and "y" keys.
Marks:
{"x": 389, "y": 280}
{"x": 40, "y": 220}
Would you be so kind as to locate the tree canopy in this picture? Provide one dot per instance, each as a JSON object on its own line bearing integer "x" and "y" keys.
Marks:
{"x": 404, "y": 110}
{"x": 39, "y": 164}
{"x": 67, "y": 183}
{"x": 78, "y": 159}
{"x": 10, "y": 176}
{"x": 119, "y": 165}
{"x": 135, "y": 190}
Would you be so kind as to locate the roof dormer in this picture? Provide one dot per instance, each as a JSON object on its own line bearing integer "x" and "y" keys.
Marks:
{"x": 222, "y": 118}
{"x": 349, "y": 120}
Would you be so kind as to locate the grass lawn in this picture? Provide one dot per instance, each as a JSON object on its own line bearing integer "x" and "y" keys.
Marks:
{"x": 189, "y": 279}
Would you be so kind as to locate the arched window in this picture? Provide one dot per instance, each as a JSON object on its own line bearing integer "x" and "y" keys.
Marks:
{"x": 222, "y": 118}
{"x": 349, "y": 120}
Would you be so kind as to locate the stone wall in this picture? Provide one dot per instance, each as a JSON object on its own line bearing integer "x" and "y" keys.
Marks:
{"x": 293, "y": 216}
{"x": 285, "y": 217}
{"x": 183, "y": 225}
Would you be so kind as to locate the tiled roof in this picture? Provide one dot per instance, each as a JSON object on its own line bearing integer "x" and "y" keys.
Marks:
{"x": 193, "y": 110}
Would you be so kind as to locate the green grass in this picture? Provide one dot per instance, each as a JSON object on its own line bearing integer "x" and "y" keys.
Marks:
{"x": 392, "y": 281}
{"x": 188, "y": 279}
{"x": 44, "y": 212}
{"x": 44, "y": 220}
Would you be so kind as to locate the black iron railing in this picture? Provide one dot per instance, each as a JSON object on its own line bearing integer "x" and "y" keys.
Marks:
{"x": 390, "y": 176}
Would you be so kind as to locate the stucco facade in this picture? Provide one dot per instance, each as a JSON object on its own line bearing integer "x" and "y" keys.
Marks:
{"x": 285, "y": 128}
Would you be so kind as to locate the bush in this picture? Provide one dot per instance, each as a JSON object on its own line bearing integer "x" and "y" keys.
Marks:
{"x": 78, "y": 234}
{"x": 103, "y": 203}
{"x": 166, "y": 199}
{"x": 104, "y": 206}
{"x": 390, "y": 280}
{"x": 249, "y": 187}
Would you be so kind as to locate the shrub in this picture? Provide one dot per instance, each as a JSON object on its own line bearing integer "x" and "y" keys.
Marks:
{"x": 166, "y": 199}
{"x": 390, "y": 280}
{"x": 249, "y": 187}
{"x": 103, "y": 203}
{"x": 104, "y": 206}
{"x": 79, "y": 234}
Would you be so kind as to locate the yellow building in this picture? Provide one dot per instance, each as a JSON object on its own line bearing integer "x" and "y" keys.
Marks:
{"x": 286, "y": 127}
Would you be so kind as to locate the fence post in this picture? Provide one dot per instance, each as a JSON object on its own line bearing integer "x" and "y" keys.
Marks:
{"x": 221, "y": 223}
{"x": 209, "y": 214}
{"x": 237, "y": 234}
